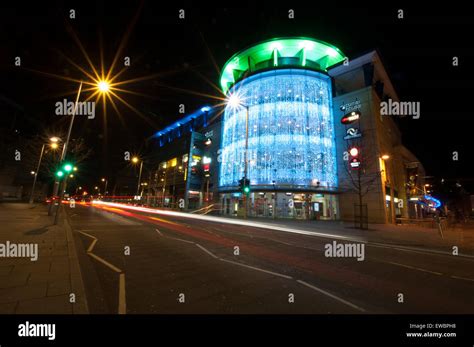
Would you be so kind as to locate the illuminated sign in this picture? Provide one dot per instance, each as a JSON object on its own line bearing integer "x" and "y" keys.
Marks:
{"x": 351, "y": 106}
{"x": 352, "y": 133}
{"x": 209, "y": 134}
{"x": 350, "y": 117}
{"x": 435, "y": 203}
{"x": 355, "y": 163}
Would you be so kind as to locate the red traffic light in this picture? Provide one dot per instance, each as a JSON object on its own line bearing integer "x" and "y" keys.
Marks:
{"x": 354, "y": 152}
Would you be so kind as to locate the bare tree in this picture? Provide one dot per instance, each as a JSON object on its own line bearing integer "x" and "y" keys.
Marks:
{"x": 77, "y": 153}
{"x": 361, "y": 180}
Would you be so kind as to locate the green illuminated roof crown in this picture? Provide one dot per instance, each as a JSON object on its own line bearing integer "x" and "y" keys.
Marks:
{"x": 280, "y": 52}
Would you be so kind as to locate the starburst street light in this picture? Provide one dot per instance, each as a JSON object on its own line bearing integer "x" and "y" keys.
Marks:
{"x": 104, "y": 86}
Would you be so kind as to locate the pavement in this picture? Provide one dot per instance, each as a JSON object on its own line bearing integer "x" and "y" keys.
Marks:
{"x": 43, "y": 286}
{"x": 142, "y": 262}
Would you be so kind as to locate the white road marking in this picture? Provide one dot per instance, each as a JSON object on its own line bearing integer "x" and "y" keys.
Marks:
{"x": 331, "y": 295}
{"x": 105, "y": 262}
{"x": 92, "y": 245}
{"x": 178, "y": 239}
{"x": 94, "y": 240}
{"x": 122, "y": 299}
{"x": 122, "y": 307}
{"x": 207, "y": 251}
{"x": 463, "y": 278}
{"x": 256, "y": 268}
{"x": 415, "y": 268}
{"x": 419, "y": 250}
{"x": 159, "y": 232}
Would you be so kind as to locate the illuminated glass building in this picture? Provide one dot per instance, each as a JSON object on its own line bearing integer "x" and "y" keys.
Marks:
{"x": 282, "y": 129}
{"x": 287, "y": 148}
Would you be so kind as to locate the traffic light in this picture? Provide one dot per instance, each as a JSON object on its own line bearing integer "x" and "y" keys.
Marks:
{"x": 68, "y": 167}
{"x": 206, "y": 168}
{"x": 244, "y": 185}
{"x": 354, "y": 159}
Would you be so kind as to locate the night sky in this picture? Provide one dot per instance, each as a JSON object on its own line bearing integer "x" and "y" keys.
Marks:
{"x": 417, "y": 51}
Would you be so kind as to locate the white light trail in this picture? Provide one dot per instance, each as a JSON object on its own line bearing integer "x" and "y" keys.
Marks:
{"x": 222, "y": 220}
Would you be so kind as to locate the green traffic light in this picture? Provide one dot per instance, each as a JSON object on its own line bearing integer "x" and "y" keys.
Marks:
{"x": 247, "y": 190}
{"x": 60, "y": 174}
{"x": 67, "y": 167}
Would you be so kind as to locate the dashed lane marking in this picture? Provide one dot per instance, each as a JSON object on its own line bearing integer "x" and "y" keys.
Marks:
{"x": 257, "y": 268}
{"x": 463, "y": 278}
{"x": 331, "y": 295}
{"x": 268, "y": 272}
{"x": 207, "y": 251}
{"x": 416, "y": 268}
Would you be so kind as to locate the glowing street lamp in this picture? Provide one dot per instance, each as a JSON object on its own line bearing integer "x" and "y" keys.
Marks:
{"x": 103, "y": 86}
{"x": 53, "y": 145}
{"x": 385, "y": 157}
{"x": 135, "y": 160}
{"x": 105, "y": 187}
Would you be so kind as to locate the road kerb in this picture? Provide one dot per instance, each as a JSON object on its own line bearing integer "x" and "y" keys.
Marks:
{"x": 77, "y": 282}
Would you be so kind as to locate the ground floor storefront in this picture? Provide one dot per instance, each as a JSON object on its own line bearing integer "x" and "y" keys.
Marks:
{"x": 294, "y": 205}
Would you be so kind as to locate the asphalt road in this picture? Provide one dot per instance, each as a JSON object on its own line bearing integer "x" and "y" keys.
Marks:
{"x": 134, "y": 262}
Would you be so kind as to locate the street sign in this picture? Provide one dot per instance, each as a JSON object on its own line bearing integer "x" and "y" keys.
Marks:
{"x": 350, "y": 117}
{"x": 355, "y": 163}
{"x": 352, "y": 133}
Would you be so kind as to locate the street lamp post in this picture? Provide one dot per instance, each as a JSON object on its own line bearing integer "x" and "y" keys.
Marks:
{"x": 235, "y": 101}
{"x": 63, "y": 154}
{"x": 246, "y": 164}
{"x": 102, "y": 87}
{"x": 36, "y": 174}
{"x": 106, "y": 183}
{"x": 136, "y": 160}
{"x": 54, "y": 145}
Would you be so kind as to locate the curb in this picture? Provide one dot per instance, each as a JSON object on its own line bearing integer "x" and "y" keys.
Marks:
{"x": 77, "y": 282}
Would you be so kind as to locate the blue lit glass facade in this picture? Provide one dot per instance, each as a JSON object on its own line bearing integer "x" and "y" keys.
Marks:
{"x": 291, "y": 131}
